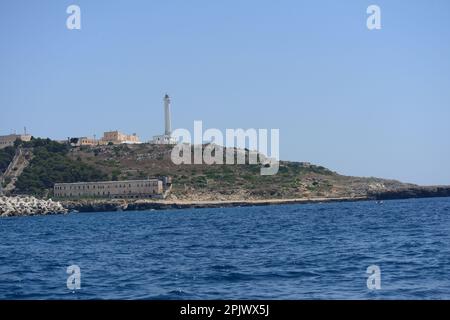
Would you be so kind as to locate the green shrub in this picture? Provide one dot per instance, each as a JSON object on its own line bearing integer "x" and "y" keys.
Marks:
{"x": 6, "y": 156}
{"x": 50, "y": 165}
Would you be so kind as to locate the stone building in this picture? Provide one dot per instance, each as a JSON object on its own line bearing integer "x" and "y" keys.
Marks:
{"x": 129, "y": 189}
{"x": 7, "y": 141}
{"x": 85, "y": 141}
{"x": 82, "y": 141}
{"x": 117, "y": 137}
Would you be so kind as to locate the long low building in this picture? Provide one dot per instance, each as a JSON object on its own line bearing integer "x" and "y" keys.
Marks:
{"x": 150, "y": 188}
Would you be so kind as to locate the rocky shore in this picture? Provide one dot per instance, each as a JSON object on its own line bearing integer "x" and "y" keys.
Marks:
{"x": 139, "y": 205}
{"x": 412, "y": 192}
{"x": 28, "y": 206}
{"x": 102, "y": 205}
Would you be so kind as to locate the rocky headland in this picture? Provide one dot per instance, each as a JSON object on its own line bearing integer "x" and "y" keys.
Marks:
{"x": 47, "y": 162}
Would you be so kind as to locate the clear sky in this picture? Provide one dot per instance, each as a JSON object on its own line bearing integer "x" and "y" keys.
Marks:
{"x": 360, "y": 102}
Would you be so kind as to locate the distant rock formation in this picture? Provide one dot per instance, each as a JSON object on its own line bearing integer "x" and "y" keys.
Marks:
{"x": 412, "y": 192}
{"x": 28, "y": 206}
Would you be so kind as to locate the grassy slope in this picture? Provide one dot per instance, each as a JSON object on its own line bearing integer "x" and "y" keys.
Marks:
{"x": 224, "y": 182}
{"x": 53, "y": 162}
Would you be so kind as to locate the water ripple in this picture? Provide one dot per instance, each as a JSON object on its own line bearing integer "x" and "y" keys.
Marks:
{"x": 312, "y": 251}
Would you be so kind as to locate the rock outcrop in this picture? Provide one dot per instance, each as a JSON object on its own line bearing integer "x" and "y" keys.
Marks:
{"x": 113, "y": 205}
{"x": 412, "y": 192}
{"x": 28, "y": 206}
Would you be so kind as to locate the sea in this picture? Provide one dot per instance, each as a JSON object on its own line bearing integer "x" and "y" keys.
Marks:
{"x": 308, "y": 251}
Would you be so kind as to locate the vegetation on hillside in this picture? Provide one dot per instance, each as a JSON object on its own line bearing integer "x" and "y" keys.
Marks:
{"x": 6, "y": 156}
{"x": 54, "y": 162}
{"x": 219, "y": 181}
{"x": 50, "y": 164}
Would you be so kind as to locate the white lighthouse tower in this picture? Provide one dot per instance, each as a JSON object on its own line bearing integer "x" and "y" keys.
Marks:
{"x": 168, "y": 124}
{"x": 166, "y": 138}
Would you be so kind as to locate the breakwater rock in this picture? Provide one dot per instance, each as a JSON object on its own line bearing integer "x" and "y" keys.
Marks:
{"x": 28, "y": 206}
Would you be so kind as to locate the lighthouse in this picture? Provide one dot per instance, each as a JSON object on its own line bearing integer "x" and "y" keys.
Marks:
{"x": 166, "y": 138}
{"x": 168, "y": 124}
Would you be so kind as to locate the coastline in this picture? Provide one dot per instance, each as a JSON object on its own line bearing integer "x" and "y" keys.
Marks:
{"x": 149, "y": 204}
{"x": 141, "y": 205}
{"x": 29, "y": 206}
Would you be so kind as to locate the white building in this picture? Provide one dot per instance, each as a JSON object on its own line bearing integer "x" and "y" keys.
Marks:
{"x": 165, "y": 138}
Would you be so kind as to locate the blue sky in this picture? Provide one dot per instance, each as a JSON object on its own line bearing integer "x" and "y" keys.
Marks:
{"x": 367, "y": 103}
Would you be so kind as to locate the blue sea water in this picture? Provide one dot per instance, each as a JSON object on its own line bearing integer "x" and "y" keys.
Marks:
{"x": 314, "y": 251}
